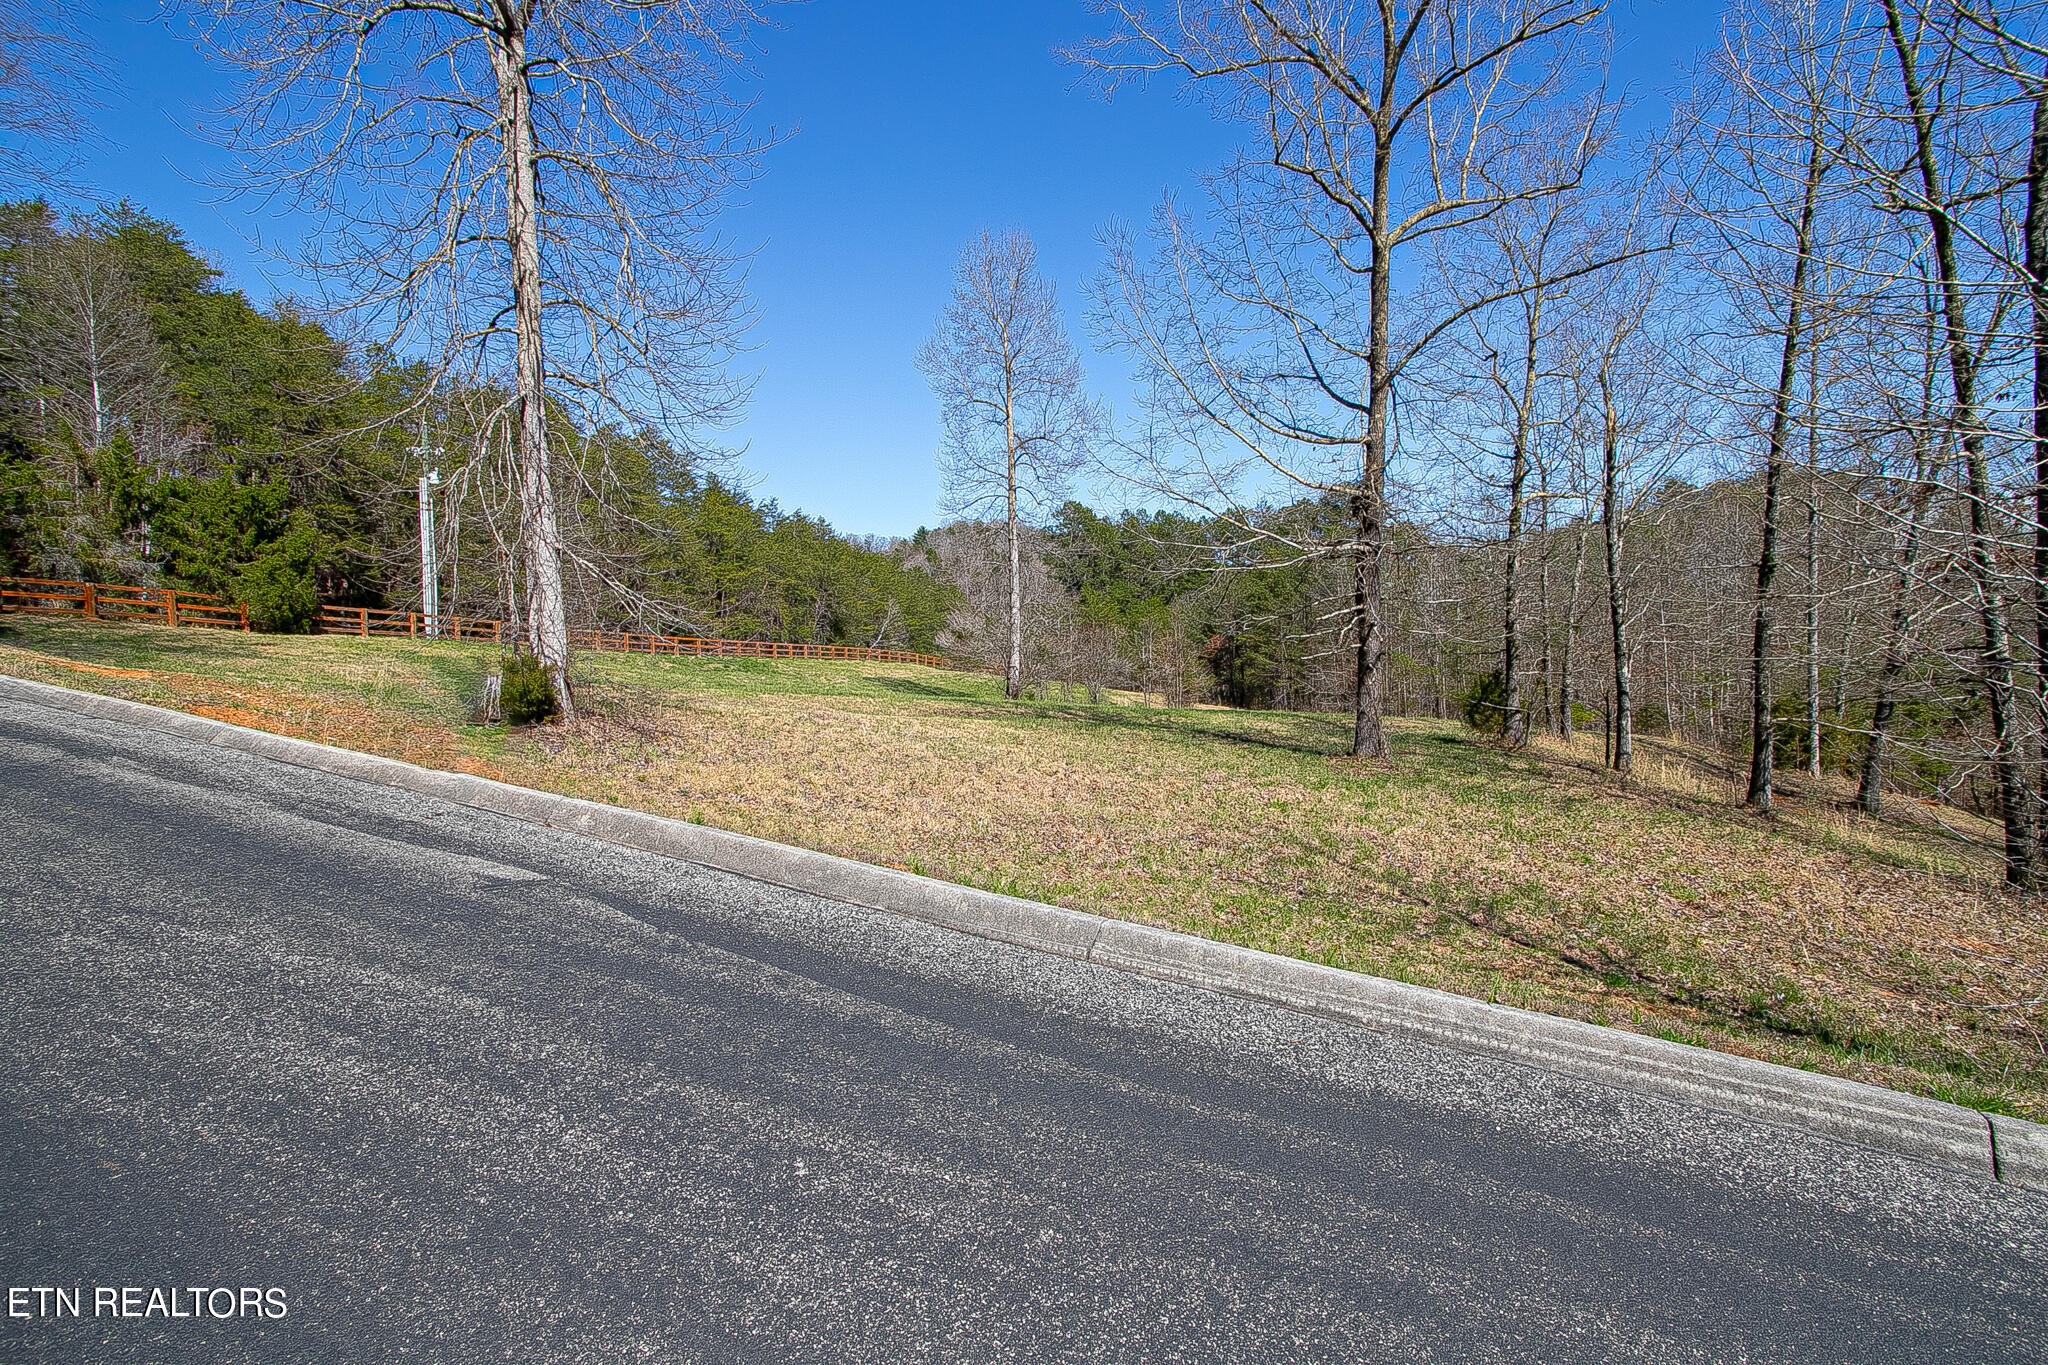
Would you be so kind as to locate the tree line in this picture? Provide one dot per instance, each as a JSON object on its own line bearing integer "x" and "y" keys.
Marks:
{"x": 160, "y": 429}
{"x": 1466, "y": 383}
{"x": 157, "y": 428}
{"x": 1517, "y": 398}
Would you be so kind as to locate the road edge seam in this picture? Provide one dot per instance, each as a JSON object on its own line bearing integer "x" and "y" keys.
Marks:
{"x": 2008, "y": 1150}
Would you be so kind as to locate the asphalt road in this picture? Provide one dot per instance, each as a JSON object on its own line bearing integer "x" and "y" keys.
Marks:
{"x": 464, "y": 1090}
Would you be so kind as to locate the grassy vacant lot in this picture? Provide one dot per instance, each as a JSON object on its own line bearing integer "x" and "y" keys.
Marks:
{"x": 1883, "y": 950}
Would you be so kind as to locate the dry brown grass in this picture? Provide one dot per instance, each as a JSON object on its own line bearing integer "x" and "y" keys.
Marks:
{"x": 1884, "y": 950}
{"x": 324, "y": 709}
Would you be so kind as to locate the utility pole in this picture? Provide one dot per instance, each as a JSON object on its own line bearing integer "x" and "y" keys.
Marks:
{"x": 430, "y": 565}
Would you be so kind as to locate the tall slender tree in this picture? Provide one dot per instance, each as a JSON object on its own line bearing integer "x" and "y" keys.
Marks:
{"x": 522, "y": 189}
{"x": 1008, "y": 380}
{"x": 1543, "y": 247}
{"x": 1927, "y": 186}
{"x": 1768, "y": 144}
{"x": 1378, "y": 127}
{"x": 76, "y": 339}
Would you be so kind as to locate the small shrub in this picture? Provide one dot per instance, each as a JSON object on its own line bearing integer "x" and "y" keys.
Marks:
{"x": 527, "y": 695}
{"x": 277, "y": 586}
{"x": 1484, "y": 705}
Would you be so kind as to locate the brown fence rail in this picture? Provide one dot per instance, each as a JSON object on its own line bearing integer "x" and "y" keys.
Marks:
{"x": 167, "y": 606}
{"x": 367, "y": 621}
{"x": 633, "y": 643}
{"x": 119, "y": 602}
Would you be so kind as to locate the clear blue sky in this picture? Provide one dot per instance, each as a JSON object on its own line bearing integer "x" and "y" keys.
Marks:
{"x": 918, "y": 122}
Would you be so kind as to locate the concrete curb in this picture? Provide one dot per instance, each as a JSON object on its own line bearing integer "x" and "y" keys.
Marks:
{"x": 2013, "y": 1151}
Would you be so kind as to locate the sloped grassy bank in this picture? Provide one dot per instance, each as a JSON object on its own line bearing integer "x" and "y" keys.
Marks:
{"x": 1884, "y": 949}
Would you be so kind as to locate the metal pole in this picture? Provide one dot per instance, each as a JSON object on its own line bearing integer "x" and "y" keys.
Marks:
{"x": 430, "y": 569}
{"x": 430, "y": 566}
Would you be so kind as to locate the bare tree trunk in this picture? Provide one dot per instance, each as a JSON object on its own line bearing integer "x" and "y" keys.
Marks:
{"x": 1842, "y": 665}
{"x": 1617, "y": 606}
{"x": 1565, "y": 695}
{"x": 2036, "y": 231}
{"x": 1870, "y": 790}
{"x": 1367, "y": 740}
{"x": 1013, "y": 674}
{"x": 539, "y": 534}
{"x": 1516, "y": 730}
{"x": 1543, "y": 600}
{"x": 1812, "y": 640}
{"x": 1367, "y": 698}
{"x": 1812, "y": 574}
{"x": 1762, "y": 730}
{"x": 1670, "y": 702}
{"x": 2015, "y": 791}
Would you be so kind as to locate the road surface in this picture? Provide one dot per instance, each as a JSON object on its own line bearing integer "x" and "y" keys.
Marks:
{"x": 451, "y": 1088}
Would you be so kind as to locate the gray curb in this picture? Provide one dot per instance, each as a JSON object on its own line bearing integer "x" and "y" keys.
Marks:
{"x": 2014, "y": 1151}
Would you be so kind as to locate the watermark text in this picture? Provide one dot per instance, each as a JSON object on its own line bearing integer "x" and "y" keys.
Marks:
{"x": 216, "y": 1302}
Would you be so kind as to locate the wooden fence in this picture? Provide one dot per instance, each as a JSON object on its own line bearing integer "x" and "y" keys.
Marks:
{"x": 368, "y": 621}
{"x": 166, "y": 606}
{"x": 120, "y": 602}
{"x": 634, "y": 643}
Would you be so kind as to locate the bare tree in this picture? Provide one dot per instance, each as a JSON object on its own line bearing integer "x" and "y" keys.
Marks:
{"x": 1642, "y": 424}
{"x": 1938, "y": 188}
{"x": 1009, "y": 386}
{"x": 1768, "y": 144}
{"x": 1928, "y": 439}
{"x": 523, "y": 189}
{"x": 77, "y": 341}
{"x": 1380, "y": 126}
{"x": 1541, "y": 248}
{"x": 2007, "y": 40}
{"x": 1567, "y": 698}
{"x": 49, "y": 76}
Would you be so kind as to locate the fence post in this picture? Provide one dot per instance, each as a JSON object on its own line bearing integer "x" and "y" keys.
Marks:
{"x": 412, "y": 625}
{"x": 92, "y": 602}
{"x": 170, "y": 606}
{"x": 363, "y": 622}
{"x": 242, "y": 610}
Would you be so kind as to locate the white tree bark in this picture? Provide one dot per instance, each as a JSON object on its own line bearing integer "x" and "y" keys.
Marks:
{"x": 547, "y": 626}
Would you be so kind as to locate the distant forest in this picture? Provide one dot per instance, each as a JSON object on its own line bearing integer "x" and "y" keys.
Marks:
{"x": 159, "y": 429}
